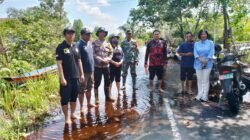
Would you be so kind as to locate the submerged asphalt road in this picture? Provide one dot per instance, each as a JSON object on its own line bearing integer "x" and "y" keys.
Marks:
{"x": 144, "y": 116}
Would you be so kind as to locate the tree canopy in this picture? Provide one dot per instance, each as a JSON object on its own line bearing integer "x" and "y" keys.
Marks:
{"x": 226, "y": 20}
{"x": 77, "y": 26}
{"x": 29, "y": 36}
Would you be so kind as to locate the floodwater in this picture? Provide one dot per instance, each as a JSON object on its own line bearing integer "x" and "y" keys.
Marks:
{"x": 144, "y": 116}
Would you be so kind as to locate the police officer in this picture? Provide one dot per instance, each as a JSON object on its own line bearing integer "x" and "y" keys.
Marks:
{"x": 103, "y": 53}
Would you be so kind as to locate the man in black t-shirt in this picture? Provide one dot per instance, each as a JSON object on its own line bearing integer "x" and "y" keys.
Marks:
{"x": 70, "y": 72}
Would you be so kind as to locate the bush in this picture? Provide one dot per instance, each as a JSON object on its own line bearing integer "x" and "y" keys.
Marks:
{"x": 23, "y": 106}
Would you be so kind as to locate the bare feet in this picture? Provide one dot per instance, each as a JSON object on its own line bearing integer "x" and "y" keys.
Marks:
{"x": 91, "y": 105}
{"x": 109, "y": 99}
{"x": 151, "y": 90}
{"x": 120, "y": 93}
{"x": 160, "y": 90}
{"x": 82, "y": 110}
{"x": 68, "y": 121}
{"x": 73, "y": 116}
{"x": 123, "y": 88}
{"x": 190, "y": 92}
{"x": 97, "y": 102}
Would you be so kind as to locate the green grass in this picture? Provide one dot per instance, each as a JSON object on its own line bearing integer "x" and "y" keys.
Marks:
{"x": 26, "y": 106}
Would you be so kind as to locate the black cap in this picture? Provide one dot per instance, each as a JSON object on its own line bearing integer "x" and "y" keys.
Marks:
{"x": 85, "y": 31}
{"x": 68, "y": 29}
{"x": 129, "y": 32}
{"x": 101, "y": 29}
{"x": 113, "y": 35}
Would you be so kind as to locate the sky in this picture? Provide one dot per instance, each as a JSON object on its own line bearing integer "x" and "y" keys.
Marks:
{"x": 106, "y": 13}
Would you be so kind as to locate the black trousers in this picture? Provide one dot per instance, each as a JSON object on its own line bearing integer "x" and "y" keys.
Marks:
{"x": 98, "y": 77}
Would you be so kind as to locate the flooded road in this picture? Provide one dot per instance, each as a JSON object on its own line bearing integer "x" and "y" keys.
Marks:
{"x": 144, "y": 116}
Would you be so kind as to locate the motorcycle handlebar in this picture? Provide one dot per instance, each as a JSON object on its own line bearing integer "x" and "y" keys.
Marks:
{"x": 241, "y": 55}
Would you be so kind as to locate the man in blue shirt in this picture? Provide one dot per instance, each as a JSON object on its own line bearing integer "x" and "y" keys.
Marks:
{"x": 86, "y": 51}
{"x": 187, "y": 62}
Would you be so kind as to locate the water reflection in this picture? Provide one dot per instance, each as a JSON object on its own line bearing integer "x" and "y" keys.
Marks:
{"x": 97, "y": 124}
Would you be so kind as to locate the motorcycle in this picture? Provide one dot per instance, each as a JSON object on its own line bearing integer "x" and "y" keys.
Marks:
{"x": 245, "y": 76}
{"x": 228, "y": 76}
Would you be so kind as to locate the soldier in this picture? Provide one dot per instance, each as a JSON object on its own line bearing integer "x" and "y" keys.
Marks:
{"x": 131, "y": 54}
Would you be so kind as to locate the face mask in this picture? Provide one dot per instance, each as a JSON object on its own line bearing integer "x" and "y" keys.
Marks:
{"x": 115, "y": 42}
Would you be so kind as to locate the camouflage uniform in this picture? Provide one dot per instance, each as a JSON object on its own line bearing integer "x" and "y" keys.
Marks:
{"x": 131, "y": 56}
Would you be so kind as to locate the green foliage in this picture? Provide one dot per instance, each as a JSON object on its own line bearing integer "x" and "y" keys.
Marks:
{"x": 138, "y": 32}
{"x": 24, "y": 106}
{"x": 77, "y": 26}
{"x": 31, "y": 33}
{"x": 180, "y": 16}
{"x": 155, "y": 13}
{"x": 27, "y": 41}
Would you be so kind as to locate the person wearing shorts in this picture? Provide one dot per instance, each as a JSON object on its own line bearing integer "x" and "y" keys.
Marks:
{"x": 157, "y": 54}
{"x": 86, "y": 51}
{"x": 70, "y": 72}
{"x": 116, "y": 62}
{"x": 187, "y": 62}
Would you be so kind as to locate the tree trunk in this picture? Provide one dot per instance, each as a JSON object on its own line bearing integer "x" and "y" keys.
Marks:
{"x": 226, "y": 36}
{"x": 181, "y": 24}
{"x": 3, "y": 50}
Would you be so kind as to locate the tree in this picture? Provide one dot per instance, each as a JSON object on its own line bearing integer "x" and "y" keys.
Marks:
{"x": 31, "y": 34}
{"x": 155, "y": 13}
{"x": 54, "y": 8}
{"x": 223, "y": 17}
{"x": 77, "y": 26}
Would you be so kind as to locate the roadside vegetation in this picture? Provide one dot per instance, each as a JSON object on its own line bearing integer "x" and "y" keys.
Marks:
{"x": 28, "y": 39}
{"x": 24, "y": 106}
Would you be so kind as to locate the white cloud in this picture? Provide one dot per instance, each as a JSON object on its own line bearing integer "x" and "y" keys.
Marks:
{"x": 103, "y": 3}
{"x": 99, "y": 17}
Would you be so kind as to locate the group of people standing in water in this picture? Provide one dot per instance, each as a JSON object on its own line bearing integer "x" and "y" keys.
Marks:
{"x": 83, "y": 65}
